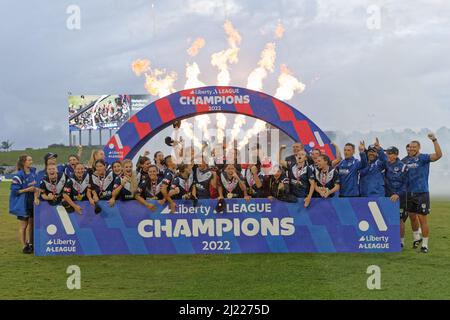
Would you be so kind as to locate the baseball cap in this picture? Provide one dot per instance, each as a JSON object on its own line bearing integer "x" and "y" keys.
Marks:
{"x": 392, "y": 150}
{"x": 372, "y": 148}
{"x": 50, "y": 156}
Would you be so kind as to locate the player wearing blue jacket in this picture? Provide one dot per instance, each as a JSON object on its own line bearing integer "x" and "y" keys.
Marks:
{"x": 372, "y": 177}
{"x": 21, "y": 199}
{"x": 395, "y": 178}
{"x": 418, "y": 196}
{"x": 349, "y": 169}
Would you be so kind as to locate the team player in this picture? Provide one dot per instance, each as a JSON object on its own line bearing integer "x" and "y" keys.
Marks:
{"x": 158, "y": 158}
{"x": 76, "y": 188}
{"x": 96, "y": 155}
{"x": 23, "y": 188}
{"x": 101, "y": 184}
{"x": 301, "y": 178}
{"x": 166, "y": 182}
{"x": 125, "y": 186}
{"x": 205, "y": 180}
{"x": 73, "y": 160}
{"x": 291, "y": 159}
{"x": 418, "y": 196}
{"x": 349, "y": 169}
{"x": 230, "y": 184}
{"x": 396, "y": 186}
{"x": 117, "y": 169}
{"x": 142, "y": 168}
{"x": 150, "y": 189}
{"x": 276, "y": 185}
{"x": 326, "y": 178}
{"x": 252, "y": 180}
{"x": 183, "y": 186}
{"x": 372, "y": 176}
{"x": 52, "y": 185}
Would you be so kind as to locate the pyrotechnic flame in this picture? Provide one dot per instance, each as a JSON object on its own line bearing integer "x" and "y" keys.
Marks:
{"x": 192, "y": 73}
{"x": 221, "y": 121}
{"x": 234, "y": 38}
{"x": 140, "y": 66}
{"x": 196, "y": 46}
{"x": 288, "y": 85}
{"x": 239, "y": 121}
{"x": 265, "y": 64}
{"x": 202, "y": 122}
{"x": 279, "y": 31}
{"x": 160, "y": 83}
{"x": 258, "y": 126}
{"x": 222, "y": 58}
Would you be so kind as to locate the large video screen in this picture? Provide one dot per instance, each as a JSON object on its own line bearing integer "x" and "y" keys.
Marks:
{"x": 95, "y": 112}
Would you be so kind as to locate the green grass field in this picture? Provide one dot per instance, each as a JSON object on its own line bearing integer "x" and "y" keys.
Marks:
{"x": 405, "y": 275}
{"x": 10, "y": 158}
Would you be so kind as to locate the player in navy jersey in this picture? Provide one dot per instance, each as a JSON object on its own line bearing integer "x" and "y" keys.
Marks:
{"x": 204, "y": 179}
{"x": 125, "y": 186}
{"x": 252, "y": 180}
{"x": 231, "y": 184}
{"x": 166, "y": 182}
{"x": 349, "y": 169}
{"x": 52, "y": 185}
{"x": 301, "y": 178}
{"x": 276, "y": 185}
{"x": 396, "y": 186}
{"x": 142, "y": 167}
{"x": 76, "y": 188}
{"x": 158, "y": 159}
{"x": 183, "y": 186}
{"x": 372, "y": 176}
{"x": 49, "y": 159}
{"x": 117, "y": 169}
{"x": 291, "y": 159}
{"x": 418, "y": 196}
{"x": 97, "y": 154}
{"x": 326, "y": 178}
{"x": 101, "y": 183}
{"x": 315, "y": 154}
{"x": 73, "y": 160}
{"x": 149, "y": 189}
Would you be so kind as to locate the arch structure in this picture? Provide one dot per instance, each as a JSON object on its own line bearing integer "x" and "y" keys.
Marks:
{"x": 145, "y": 124}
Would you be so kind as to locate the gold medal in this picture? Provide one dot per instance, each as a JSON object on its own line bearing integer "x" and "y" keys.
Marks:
{"x": 79, "y": 197}
{"x": 229, "y": 195}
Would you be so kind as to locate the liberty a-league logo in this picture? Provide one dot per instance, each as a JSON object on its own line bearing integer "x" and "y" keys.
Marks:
{"x": 371, "y": 242}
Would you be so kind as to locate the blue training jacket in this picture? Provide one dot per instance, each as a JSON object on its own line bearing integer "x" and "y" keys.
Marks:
{"x": 349, "y": 170}
{"x": 372, "y": 177}
{"x": 20, "y": 202}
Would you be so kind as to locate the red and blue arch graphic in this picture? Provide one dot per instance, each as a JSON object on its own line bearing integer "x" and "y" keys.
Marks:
{"x": 142, "y": 126}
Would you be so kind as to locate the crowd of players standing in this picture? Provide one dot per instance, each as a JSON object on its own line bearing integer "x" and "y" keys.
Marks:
{"x": 301, "y": 176}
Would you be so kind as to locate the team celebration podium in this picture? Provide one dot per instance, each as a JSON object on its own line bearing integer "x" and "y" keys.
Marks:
{"x": 254, "y": 226}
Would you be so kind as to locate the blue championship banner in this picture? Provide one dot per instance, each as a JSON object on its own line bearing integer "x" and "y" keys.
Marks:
{"x": 260, "y": 225}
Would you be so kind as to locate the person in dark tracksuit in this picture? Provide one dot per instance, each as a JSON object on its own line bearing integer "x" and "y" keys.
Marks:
{"x": 349, "y": 170}
{"x": 395, "y": 182}
{"x": 372, "y": 176}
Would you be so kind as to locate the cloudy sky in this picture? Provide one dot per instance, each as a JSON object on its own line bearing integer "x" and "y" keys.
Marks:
{"x": 357, "y": 78}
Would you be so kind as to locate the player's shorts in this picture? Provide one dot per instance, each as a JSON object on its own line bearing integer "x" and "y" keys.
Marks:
{"x": 30, "y": 214}
{"x": 418, "y": 202}
{"x": 403, "y": 209}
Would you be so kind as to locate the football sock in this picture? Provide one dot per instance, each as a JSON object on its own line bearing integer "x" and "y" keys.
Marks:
{"x": 416, "y": 235}
{"x": 425, "y": 242}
